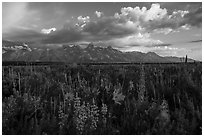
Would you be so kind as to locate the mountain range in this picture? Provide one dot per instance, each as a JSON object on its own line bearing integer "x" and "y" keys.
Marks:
{"x": 19, "y": 51}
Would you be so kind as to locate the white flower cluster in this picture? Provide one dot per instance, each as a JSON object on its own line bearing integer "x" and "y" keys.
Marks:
{"x": 104, "y": 111}
{"x": 85, "y": 113}
{"x": 62, "y": 116}
{"x": 131, "y": 85}
{"x": 142, "y": 88}
{"x": 94, "y": 115}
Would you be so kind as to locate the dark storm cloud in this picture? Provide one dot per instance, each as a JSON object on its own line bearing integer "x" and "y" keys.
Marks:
{"x": 105, "y": 28}
{"x": 164, "y": 23}
{"x": 63, "y": 36}
{"x": 23, "y": 34}
{"x": 159, "y": 45}
{"x": 194, "y": 18}
{"x": 127, "y": 46}
{"x": 98, "y": 27}
{"x": 59, "y": 36}
{"x": 172, "y": 6}
{"x": 163, "y": 45}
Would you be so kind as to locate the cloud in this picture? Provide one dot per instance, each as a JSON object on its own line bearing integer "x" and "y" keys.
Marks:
{"x": 158, "y": 19}
{"x": 129, "y": 21}
{"x": 132, "y": 20}
{"x": 162, "y": 45}
{"x": 131, "y": 26}
{"x": 18, "y": 14}
{"x": 109, "y": 26}
{"x": 155, "y": 13}
{"x": 18, "y": 10}
{"x": 48, "y": 31}
{"x": 164, "y": 30}
{"x": 168, "y": 23}
{"x": 142, "y": 15}
{"x": 159, "y": 48}
{"x": 46, "y": 36}
{"x": 178, "y": 13}
{"x": 186, "y": 27}
{"x": 83, "y": 19}
{"x": 135, "y": 40}
{"x": 194, "y": 18}
{"x": 63, "y": 36}
{"x": 195, "y": 41}
{"x": 98, "y": 14}
{"x": 168, "y": 51}
{"x": 23, "y": 34}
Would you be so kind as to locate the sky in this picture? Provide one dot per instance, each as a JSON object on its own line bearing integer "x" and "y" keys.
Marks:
{"x": 168, "y": 28}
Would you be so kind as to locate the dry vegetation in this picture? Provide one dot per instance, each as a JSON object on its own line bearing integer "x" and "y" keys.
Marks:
{"x": 129, "y": 99}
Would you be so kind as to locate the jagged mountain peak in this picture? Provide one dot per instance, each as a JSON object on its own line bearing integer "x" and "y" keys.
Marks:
{"x": 76, "y": 46}
{"x": 90, "y": 46}
{"x": 8, "y": 45}
{"x": 151, "y": 53}
{"x": 74, "y": 53}
{"x": 109, "y": 47}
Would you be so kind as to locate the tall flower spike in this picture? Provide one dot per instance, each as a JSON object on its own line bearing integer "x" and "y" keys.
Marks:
{"x": 142, "y": 87}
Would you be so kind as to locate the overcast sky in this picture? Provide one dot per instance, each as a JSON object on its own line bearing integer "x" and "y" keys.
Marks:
{"x": 168, "y": 29}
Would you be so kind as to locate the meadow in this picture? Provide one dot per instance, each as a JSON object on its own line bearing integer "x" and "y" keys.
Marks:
{"x": 142, "y": 99}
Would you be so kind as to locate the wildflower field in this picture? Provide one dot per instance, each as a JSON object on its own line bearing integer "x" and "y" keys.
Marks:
{"x": 102, "y": 99}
